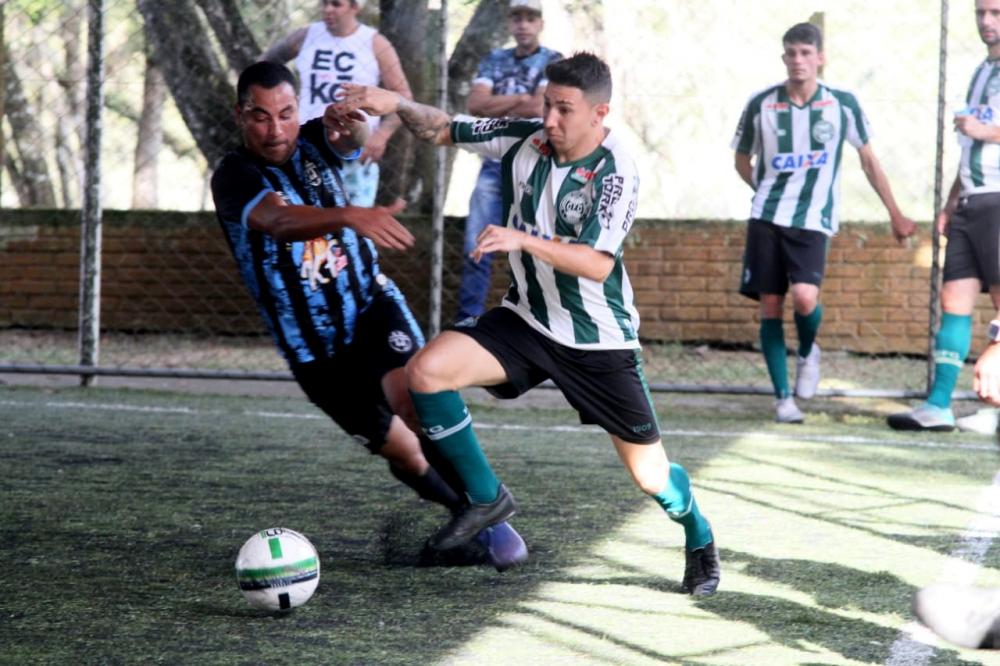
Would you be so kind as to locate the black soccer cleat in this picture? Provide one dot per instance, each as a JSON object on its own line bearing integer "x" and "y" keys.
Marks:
{"x": 464, "y": 526}
{"x": 702, "y": 570}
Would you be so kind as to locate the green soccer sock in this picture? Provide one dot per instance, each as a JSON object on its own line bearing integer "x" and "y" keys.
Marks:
{"x": 951, "y": 346}
{"x": 807, "y": 327}
{"x": 678, "y": 501}
{"x": 446, "y": 421}
{"x": 772, "y": 343}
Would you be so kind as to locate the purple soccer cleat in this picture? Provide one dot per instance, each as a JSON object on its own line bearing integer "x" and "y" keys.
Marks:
{"x": 504, "y": 546}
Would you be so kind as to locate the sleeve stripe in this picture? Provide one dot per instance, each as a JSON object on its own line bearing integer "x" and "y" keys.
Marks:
{"x": 251, "y": 205}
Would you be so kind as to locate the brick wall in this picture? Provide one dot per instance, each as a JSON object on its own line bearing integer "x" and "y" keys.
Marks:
{"x": 173, "y": 272}
{"x": 875, "y": 294}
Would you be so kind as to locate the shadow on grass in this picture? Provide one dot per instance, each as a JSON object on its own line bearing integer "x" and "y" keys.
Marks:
{"x": 132, "y": 561}
{"x": 786, "y": 622}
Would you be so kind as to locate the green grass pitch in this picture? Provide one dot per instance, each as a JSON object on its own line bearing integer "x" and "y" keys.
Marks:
{"x": 122, "y": 512}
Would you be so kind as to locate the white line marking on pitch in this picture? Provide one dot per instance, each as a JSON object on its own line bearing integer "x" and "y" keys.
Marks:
{"x": 697, "y": 434}
{"x": 915, "y": 645}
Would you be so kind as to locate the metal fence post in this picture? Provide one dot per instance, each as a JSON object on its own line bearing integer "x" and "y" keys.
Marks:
{"x": 90, "y": 223}
{"x": 933, "y": 307}
{"x": 440, "y": 174}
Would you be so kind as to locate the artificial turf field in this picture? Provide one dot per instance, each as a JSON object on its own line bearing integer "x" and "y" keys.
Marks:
{"x": 122, "y": 512}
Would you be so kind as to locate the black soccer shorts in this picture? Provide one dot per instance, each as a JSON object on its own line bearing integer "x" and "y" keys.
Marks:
{"x": 973, "y": 249}
{"x": 605, "y": 386}
{"x": 778, "y": 256}
{"x": 348, "y": 387}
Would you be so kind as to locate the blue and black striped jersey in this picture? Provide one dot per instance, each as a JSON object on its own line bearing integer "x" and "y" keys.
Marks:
{"x": 309, "y": 293}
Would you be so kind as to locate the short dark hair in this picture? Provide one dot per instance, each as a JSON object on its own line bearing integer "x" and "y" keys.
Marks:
{"x": 265, "y": 74}
{"x": 804, "y": 33}
{"x": 585, "y": 71}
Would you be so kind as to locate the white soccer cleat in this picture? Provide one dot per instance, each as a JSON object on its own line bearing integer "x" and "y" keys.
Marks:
{"x": 963, "y": 615}
{"x": 983, "y": 422}
{"x": 807, "y": 373}
{"x": 923, "y": 417}
{"x": 786, "y": 411}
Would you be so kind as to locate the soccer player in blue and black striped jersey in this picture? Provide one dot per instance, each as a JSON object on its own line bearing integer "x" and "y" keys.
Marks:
{"x": 789, "y": 145}
{"x": 310, "y": 262}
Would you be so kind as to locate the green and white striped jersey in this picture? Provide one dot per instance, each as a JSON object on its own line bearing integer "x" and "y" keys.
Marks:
{"x": 798, "y": 149}
{"x": 979, "y": 170}
{"x": 590, "y": 201}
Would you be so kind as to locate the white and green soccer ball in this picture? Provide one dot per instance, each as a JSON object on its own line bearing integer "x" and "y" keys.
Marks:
{"x": 277, "y": 569}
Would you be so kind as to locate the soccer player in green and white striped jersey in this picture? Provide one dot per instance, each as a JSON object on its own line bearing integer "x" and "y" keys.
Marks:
{"x": 569, "y": 199}
{"x": 971, "y": 219}
{"x": 789, "y": 146}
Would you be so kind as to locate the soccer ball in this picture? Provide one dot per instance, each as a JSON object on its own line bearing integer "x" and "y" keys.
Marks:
{"x": 277, "y": 569}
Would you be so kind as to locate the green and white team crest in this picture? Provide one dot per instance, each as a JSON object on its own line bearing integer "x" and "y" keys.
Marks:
{"x": 823, "y": 131}
{"x": 575, "y": 206}
{"x": 993, "y": 87}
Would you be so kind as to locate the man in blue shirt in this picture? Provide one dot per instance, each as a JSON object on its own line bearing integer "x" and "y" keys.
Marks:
{"x": 509, "y": 83}
{"x": 311, "y": 264}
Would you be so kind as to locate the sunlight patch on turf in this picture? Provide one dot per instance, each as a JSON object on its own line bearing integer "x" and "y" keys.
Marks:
{"x": 822, "y": 550}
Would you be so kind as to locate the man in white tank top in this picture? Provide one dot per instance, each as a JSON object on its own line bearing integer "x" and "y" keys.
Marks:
{"x": 334, "y": 51}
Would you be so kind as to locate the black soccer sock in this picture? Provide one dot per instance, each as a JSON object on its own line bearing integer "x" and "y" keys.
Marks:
{"x": 430, "y": 486}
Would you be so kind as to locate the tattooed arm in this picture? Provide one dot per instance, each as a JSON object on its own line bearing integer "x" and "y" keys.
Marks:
{"x": 425, "y": 122}
{"x": 286, "y": 48}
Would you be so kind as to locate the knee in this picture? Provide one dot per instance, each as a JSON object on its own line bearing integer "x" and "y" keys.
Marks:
{"x": 650, "y": 478}
{"x": 956, "y": 300}
{"x": 771, "y": 306}
{"x": 805, "y": 298}
{"x": 425, "y": 373}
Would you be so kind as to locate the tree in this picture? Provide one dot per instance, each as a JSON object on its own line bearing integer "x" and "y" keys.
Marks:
{"x": 149, "y": 138}
{"x": 28, "y": 170}
{"x": 70, "y": 126}
{"x": 486, "y": 31}
{"x": 407, "y": 169}
{"x": 198, "y": 80}
{"x": 181, "y": 34}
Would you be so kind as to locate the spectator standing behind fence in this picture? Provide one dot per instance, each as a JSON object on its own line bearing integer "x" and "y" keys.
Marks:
{"x": 340, "y": 49}
{"x": 509, "y": 83}
{"x": 971, "y": 219}
{"x": 310, "y": 262}
{"x": 788, "y": 149}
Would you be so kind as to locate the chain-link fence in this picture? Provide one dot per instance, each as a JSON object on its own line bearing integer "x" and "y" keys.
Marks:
{"x": 168, "y": 291}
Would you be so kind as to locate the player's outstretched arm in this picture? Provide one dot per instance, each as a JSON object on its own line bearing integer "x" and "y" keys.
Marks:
{"x": 286, "y": 222}
{"x": 425, "y": 122}
{"x": 902, "y": 226}
{"x": 570, "y": 258}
